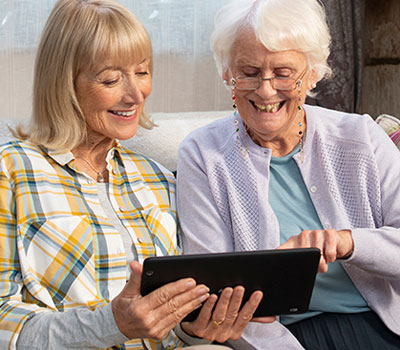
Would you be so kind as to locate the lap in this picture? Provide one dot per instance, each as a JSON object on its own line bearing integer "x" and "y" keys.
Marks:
{"x": 335, "y": 331}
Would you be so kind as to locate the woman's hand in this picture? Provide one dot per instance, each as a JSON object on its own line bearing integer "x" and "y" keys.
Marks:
{"x": 155, "y": 314}
{"x": 227, "y": 321}
{"x": 332, "y": 243}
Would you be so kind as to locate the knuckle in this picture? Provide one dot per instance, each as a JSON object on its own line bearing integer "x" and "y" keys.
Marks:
{"x": 162, "y": 295}
{"x": 173, "y": 305}
{"x": 178, "y": 315}
{"x": 230, "y": 316}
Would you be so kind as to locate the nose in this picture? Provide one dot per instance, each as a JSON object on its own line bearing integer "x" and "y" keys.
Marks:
{"x": 132, "y": 94}
{"x": 266, "y": 88}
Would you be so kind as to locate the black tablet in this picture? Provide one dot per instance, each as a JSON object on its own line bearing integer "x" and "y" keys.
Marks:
{"x": 286, "y": 277}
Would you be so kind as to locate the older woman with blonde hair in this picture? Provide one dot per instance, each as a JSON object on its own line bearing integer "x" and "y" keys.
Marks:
{"x": 278, "y": 173}
{"x": 78, "y": 212}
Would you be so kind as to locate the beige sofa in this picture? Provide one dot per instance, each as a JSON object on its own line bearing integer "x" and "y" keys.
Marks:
{"x": 161, "y": 143}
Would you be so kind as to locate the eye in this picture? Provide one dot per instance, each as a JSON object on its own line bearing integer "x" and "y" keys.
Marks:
{"x": 283, "y": 73}
{"x": 249, "y": 73}
{"x": 110, "y": 82}
{"x": 142, "y": 73}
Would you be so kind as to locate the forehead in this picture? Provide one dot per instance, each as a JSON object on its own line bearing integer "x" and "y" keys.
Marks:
{"x": 248, "y": 51}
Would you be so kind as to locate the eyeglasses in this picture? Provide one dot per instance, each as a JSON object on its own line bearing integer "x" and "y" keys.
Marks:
{"x": 277, "y": 83}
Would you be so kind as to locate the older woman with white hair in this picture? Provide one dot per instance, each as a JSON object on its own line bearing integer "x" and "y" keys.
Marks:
{"x": 281, "y": 174}
{"x": 79, "y": 212}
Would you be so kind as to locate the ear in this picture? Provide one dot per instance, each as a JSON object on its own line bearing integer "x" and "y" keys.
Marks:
{"x": 226, "y": 77}
{"x": 312, "y": 80}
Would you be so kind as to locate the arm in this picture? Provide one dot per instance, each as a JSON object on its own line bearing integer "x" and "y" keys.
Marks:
{"x": 375, "y": 250}
{"x": 71, "y": 330}
{"x": 377, "y": 187}
{"x": 204, "y": 231}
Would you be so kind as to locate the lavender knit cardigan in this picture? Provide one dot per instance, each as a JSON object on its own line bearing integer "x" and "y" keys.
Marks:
{"x": 352, "y": 172}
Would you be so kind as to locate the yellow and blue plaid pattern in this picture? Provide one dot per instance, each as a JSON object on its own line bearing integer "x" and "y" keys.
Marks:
{"x": 58, "y": 250}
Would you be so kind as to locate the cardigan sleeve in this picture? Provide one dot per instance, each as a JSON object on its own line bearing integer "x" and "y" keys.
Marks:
{"x": 376, "y": 249}
{"x": 199, "y": 215}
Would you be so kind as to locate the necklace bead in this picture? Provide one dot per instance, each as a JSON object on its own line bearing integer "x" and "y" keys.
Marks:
{"x": 100, "y": 177}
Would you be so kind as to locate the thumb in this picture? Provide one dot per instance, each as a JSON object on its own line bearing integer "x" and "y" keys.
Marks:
{"x": 132, "y": 287}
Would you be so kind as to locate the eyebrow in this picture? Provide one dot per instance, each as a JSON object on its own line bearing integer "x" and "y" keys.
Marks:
{"x": 145, "y": 60}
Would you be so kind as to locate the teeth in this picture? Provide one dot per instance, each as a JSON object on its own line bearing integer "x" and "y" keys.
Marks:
{"x": 272, "y": 108}
{"x": 125, "y": 114}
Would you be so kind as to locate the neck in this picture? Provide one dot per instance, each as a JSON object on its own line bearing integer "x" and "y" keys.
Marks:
{"x": 94, "y": 152}
{"x": 281, "y": 145}
{"x": 91, "y": 159}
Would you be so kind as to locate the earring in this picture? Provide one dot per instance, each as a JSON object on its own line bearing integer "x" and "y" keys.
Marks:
{"x": 242, "y": 147}
{"x": 299, "y": 86}
{"x": 314, "y": 85}
{"x": 234, "y": 106}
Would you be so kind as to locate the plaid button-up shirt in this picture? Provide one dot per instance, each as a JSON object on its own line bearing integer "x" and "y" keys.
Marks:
{"x": 58, "y": 250}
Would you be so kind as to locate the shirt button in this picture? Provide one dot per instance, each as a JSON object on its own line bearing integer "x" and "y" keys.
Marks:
{"x": 313, "y": 189}
{"x": 114, "y": 172}
{"x": 122, "y": 209}
{"x": 140, "y": 240}
{"x": 327, "y": 225}
{"x": 347, "y": 264}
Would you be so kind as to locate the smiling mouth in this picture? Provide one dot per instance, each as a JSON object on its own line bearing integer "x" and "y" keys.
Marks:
{"x": 123, "y": 114}
{"x": 269, "y": 108}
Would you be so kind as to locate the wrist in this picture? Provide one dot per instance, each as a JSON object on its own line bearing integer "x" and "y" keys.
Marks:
{"x": 349, "y": 244}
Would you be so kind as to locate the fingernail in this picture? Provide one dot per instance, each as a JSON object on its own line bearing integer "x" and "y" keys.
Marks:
{"x": 190, "y": 283}
{"x": 203, "y": 297}
{"x": 258, "y": 297}
{"x": 203, "y": 290}
{"x": 229, "y": 292}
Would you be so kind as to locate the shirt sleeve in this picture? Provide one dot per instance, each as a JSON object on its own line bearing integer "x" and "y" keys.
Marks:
{"x": 78, "y": 328}
{"x": 13, "y": 312}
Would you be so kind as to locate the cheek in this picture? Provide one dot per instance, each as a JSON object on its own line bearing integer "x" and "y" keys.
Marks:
{"x": 94, "y": 100}
{"x": 147, "y": 88}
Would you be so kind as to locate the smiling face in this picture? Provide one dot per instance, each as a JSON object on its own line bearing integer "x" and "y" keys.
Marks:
{"x": 112, "y": 97}
{"x": 270, "y": 115}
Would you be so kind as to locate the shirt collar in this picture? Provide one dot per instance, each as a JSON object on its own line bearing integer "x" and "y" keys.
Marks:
{"x": 64, "y": 158}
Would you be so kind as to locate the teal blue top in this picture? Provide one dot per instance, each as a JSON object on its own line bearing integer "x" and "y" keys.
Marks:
{"x": 333, "y": 291}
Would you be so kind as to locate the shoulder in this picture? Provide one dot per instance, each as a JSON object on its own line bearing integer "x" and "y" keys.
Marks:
{"x": 148, "y": 168}
{"x": 21, "y": 149}
{"x": 343, "y": 127}
{"x": 213, "y": 137}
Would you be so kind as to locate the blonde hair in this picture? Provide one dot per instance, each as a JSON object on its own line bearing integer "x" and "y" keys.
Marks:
{"x": 78, "y": 35}
{"x": 279, "y": 25}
